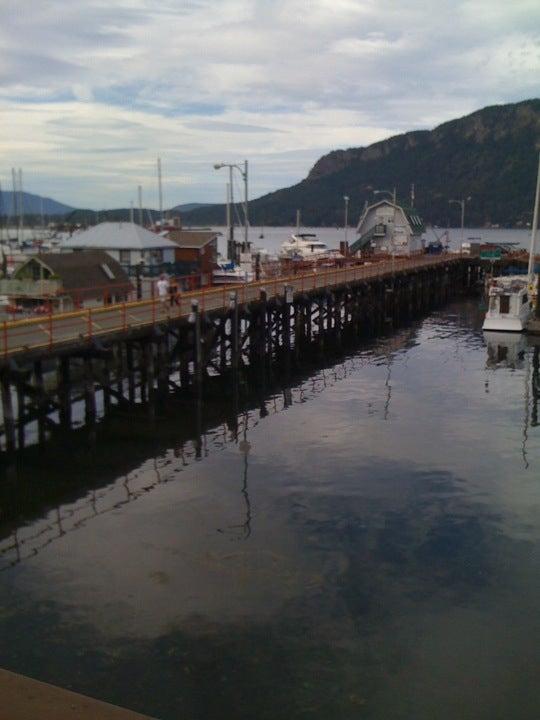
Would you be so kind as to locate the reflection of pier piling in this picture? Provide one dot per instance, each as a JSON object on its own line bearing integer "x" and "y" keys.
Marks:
{"x": 242, "y": 335}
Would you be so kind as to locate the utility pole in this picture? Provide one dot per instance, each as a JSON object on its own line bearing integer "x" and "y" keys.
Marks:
{"x": 140, "y": 205}
{"x": 346, "y": 198}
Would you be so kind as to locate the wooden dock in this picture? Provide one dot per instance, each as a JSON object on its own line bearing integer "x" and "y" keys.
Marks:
{"x": 132, "y": 350}
{"x": 25, "y": 699}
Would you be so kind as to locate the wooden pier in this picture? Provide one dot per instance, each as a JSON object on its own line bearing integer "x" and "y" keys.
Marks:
{"x": 132, "y": 351}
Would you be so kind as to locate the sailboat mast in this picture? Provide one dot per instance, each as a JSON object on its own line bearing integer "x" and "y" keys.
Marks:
{"x": 15, "y": 198}
{"x": 140, "y": 206}
{"x": 160, "y": 193}
{"x": 534, "y": 225}
{"x": 21, "y": 206}
{"x": 246, "y": 207}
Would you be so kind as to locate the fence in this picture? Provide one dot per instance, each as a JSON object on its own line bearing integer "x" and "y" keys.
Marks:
{"x": 50, "y": 331}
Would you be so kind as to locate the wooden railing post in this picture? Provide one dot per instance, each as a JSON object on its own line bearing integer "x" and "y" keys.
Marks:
{"x": 50, "y": 327}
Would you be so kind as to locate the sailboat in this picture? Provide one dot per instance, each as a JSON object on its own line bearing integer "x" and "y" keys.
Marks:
{"x": 510, "y": 298}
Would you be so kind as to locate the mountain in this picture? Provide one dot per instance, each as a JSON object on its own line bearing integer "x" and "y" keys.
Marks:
{"x": 186, "y": 207}
{"x": 32, "y": 205}
{"x": 490, "y": 156}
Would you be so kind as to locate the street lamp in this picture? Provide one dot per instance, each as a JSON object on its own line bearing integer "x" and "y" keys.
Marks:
{"x": 346, "y": 198}
{"x": 244, "y": 173}
{"x": 461, "y": 203}
{"x": 391, "y": 193}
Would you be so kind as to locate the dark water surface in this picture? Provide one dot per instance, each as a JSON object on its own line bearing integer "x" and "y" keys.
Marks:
{"x": 364, "y": 544}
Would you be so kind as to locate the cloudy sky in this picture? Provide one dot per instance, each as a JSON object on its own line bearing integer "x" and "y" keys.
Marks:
{"x": 92, "y": 91}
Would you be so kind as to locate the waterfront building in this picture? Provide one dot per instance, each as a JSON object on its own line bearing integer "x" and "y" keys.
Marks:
{"x": 386, "y": 227}
{"x": 67, "y": 281}
{"x": 195, "y": 253}
{"x": 131, "y": 245}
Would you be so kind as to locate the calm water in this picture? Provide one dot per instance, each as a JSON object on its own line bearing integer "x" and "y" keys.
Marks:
{"x": 273, "y": 237}
{"x": 362, "y": 544}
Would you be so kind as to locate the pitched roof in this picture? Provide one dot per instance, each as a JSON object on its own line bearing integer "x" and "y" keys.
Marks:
{"x": 87, "y": 273}
{"x": 192, "y": 238}
{"x": 117, "y": 236}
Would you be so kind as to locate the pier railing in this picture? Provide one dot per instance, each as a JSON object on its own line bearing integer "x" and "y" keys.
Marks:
{"x": 54, "y": 330}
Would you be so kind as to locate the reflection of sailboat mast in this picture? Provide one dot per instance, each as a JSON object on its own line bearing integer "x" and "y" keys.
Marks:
{"x": 535, "y": 385}
{"x": 388, "y": 387}
{"x": 526, "y": 413}
{"x": 244, "y": 448}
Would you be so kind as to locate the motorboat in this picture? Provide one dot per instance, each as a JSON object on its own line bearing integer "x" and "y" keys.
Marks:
{"x": 510, "y": 297}
{"x": 509, "y": 304}
{"x": 306, "y": 246}
{"x": 228, "y": 273}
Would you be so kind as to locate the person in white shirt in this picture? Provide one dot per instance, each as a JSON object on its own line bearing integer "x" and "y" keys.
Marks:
{"x": 162, "y": 286}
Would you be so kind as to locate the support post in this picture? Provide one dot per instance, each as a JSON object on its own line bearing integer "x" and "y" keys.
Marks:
{"x": 7, "y": 410}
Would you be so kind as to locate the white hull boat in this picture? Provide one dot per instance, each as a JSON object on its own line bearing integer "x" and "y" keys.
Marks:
{"x": 511, "y": 298}
{"x": 306, "y": 246}
{"x": 231, "y": 274}
{"x": 510, "y": 305}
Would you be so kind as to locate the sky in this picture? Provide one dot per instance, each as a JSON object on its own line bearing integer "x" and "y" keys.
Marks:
{"x": 93, "y": 91}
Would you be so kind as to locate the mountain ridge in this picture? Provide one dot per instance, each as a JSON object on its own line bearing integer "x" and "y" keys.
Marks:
{"x": 488, "y": 155}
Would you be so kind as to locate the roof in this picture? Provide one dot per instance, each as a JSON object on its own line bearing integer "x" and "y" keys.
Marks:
{"x": 415, "y": 221}
{"x": 192, "y": 238}
{"x": 89, "y": 272}
{"x": 117, "y": 236}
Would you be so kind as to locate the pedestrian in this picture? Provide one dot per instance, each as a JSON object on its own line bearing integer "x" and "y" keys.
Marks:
{"x": 162, "y": 286}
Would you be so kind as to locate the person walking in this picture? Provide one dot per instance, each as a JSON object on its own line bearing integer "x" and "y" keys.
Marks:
{"x": 162, "y": 286}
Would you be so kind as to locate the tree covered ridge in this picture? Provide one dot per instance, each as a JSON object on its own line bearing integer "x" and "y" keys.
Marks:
{"x": 490, "y": 155}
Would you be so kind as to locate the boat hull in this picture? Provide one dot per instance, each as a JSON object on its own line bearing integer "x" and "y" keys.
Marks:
{"x": 505, "y": 324}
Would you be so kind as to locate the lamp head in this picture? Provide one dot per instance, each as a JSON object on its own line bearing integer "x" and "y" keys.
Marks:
{"x": 218, "y": 166}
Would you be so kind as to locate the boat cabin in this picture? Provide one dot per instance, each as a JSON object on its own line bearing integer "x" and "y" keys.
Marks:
{"x": 509, "y": 304}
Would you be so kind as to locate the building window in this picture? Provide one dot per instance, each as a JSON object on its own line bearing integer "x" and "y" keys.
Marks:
{"x": 157, "y": 256}
{"x": 125, "y": 257}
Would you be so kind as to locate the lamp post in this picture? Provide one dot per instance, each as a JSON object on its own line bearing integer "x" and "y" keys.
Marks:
{"x": 243, "y": 170}
{"x": 461, "y": 203}
{"x": 346, "y": 198}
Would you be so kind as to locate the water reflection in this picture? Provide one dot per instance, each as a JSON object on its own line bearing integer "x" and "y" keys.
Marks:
{"x": 327, "y": 549}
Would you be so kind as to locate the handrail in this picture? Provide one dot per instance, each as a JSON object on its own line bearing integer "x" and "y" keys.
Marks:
{"x": 55, "y": 329}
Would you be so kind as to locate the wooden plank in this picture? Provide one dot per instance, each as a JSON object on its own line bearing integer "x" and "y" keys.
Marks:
{"x": 27, "y": 699}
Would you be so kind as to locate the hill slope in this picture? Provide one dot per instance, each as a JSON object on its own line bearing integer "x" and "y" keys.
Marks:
{"x": 32, "y": 205}
{"x": 490, "y": 155}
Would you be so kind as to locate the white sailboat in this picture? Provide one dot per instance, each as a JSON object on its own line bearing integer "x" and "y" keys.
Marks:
{"x": 510, "y": 298}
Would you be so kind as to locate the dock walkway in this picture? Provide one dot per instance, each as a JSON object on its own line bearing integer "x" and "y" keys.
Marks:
{"x": 56, "y": 331}
{"x": 25, "y": 699}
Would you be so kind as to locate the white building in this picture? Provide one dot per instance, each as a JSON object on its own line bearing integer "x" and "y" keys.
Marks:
{"x": 389, "y": 228}
{"x": 129, "y": 244}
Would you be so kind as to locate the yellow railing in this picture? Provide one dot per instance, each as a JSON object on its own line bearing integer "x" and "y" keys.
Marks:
{"x": 53, "y": 330}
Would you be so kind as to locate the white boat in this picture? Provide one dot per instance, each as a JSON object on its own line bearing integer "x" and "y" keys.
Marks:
{"x": 306, "y": 246}
{"x": 510, "y": 298}
{"x": 228, "y": 273}
{"x": 510, "y": 304}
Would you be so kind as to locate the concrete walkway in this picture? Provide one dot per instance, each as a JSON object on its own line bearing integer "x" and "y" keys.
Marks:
{"x": 24, "y": 699}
